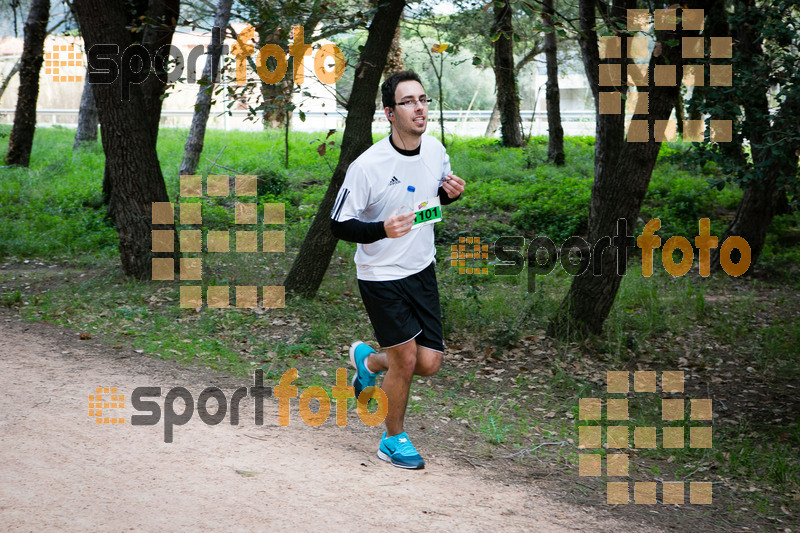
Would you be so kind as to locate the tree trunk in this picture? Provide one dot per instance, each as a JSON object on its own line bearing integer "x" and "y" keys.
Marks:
{"x": 622, "y": 175}
{"x": 87, "y": 117}
{"x": 394, "y": 62}
{"x": 609, "y": 128}
{"x": 132, "y": 170}
{"x": 275, "y": 96}
{"x": 7, "y": 78}
{"x": 505, "y": 76}
{"x": 753, "y": 217}
{"x": 272, "y": 28}
{"x": 555, "y": 145}
{"x": 494, "y": 121}
{"x": 276, "y": 99}
{"x": 761, "y": 201}
{"x": 315, "y": 253}
{"x": 762, "y": 198}
{"x": 774, "y": 145}
{"x": 20, "y": 142}
{"x": 202, "y": 106}
{"x": 441, "y": 105}
{"x": 286, "y": 125}
{"x": 162, "y": 17}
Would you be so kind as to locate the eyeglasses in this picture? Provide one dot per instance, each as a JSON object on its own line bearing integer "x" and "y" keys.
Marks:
{"x": 411, "y": 104}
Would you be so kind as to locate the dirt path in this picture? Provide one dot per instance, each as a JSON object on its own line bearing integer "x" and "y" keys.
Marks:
{"x": 61, "y": 471}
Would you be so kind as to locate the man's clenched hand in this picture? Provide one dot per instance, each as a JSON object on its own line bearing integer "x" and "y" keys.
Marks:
{"x": 399, "y": 224}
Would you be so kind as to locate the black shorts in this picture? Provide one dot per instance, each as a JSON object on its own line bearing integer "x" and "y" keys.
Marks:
{"x": 405, "y": 309}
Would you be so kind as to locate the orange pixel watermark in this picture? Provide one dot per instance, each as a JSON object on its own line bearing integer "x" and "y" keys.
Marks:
{"x": 98, "y": 403}
{"x": 639, "y": 75}
{"x": 64, "y": 56}
{"x": 618, "y": 438}
{"x": 468, "y": 248}
{"x": 246, "y": 215}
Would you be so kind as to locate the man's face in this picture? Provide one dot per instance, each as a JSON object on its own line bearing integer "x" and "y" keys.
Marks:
{"x": 408, "y": 119}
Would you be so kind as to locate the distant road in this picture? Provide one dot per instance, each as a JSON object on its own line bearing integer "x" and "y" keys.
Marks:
{"x": 458, "y": 122}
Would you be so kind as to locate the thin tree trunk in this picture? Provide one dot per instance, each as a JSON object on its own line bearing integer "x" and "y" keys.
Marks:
{"x": 202, "y": 106}
{"x": 286, "y": 139}
{"x": 494, "y": 121}
{"x": 441, "y": 106}
{"x": 273, "y": 29}
{"x": 438, "y": 72}
{"x": 276, "y": 98}
{"x": 555, "y": 146}
{"x": 20, "y": 142}
{"x": 132, "y": 170}
{"x": 621, "y": 179}
{"x": 87, "y": 117}
{"x": 15, "y": 68}
{"x": 505, "y": 77}
{"x": 7, "y": 78}
{"x": 315, "y": 253}
{"x": 755, "y": 212}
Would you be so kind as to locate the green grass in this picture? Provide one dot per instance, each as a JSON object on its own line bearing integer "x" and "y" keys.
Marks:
{"x": 510, "y": 191}
{"x": 54, "y": 211}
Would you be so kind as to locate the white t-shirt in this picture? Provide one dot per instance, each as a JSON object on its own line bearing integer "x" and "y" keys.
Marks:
{"x": 374, "y": 187}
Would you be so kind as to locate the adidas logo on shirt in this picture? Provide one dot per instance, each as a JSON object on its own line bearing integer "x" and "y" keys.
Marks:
{"x": 394, "y": 181}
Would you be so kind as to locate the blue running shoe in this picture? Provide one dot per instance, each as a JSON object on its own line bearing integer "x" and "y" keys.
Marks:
{"x": 399, "y": 451}
{"x": 358, "y": 358}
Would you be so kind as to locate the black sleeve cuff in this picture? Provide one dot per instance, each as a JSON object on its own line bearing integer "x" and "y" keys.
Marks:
{"x": 444, "y": 199}
{"x": 356, "y": 231}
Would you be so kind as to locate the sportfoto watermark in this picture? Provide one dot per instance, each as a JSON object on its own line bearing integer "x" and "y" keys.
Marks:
{"x": 283, "y": 392}
{"x": 576, "y": 255}
{"x": 168, "y": 64}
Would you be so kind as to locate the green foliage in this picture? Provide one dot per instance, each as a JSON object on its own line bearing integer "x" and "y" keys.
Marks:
{"x": 46, "y": 217}
{"x": 271, "y": 182}
{"x": 763, "y": 99}
{"x": 517, "y": 186}
{"x": 679, "y": 194}
{"x": 54, "y": 208}
{"x": 461, "y": 81}
{"x": 494, "y": 429}
{"x": 781, "y": 253}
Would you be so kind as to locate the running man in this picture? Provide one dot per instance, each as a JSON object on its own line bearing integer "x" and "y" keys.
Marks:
{"x": 395, "y": 263}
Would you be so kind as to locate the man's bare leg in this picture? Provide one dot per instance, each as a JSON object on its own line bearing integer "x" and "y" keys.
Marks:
{"x": 401, "y": 363}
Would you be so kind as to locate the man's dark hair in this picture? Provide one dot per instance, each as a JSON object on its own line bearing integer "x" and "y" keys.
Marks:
{"x": 390, "y": 85}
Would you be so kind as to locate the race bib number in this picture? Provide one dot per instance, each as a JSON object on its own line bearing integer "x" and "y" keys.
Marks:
{"x": 428, "y": 212}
